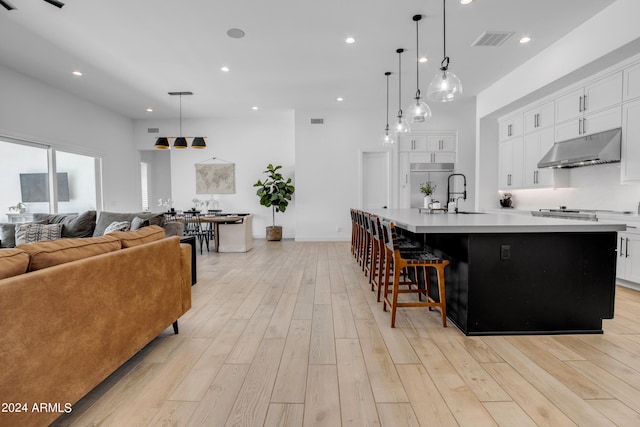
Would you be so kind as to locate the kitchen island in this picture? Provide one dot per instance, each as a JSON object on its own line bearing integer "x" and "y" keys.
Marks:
{"x": 512, "y": 274}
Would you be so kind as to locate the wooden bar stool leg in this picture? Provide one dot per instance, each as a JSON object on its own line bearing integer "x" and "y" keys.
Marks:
{"x": 394, "y": 296}
{"x": 441, "y": 293}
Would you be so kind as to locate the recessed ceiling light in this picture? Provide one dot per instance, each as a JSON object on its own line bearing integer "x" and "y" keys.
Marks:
{"x": 77, "y": 73}
{"x": 235, "y": 33}
{"x": 255, "y": 107}
{"x": 423, "y": 59}
{"x": 350, "y": 40}
{"x": 339, "y": 99}
{"x": 465, "y": 1}
{"x": 225, "y": 69}
{"x": 525, "y": 39}
{"x": 149, "y": 110}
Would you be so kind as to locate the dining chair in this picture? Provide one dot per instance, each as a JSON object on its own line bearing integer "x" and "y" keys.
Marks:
{"x": 193, "y": 227}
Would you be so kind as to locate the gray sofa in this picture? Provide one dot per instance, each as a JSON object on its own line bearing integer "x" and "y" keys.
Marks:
{"x": 90, "y": 224}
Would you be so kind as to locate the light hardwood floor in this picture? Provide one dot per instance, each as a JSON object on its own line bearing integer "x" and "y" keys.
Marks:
{"x": 290, "y": 334}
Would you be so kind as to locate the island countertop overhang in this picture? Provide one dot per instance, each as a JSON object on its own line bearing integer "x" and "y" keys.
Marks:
{"x": 416, "y": 222}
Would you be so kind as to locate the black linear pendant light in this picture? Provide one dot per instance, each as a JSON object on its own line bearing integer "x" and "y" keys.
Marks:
{"x": 401, "y": 125}
{"x": 445, "y": 86}
{"x": 387, "y": 138}
{"x": 418, "y": 111}
{"x": 162, "y": 143}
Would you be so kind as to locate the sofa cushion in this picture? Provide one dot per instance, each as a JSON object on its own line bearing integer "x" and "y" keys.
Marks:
{"x": 129, "y": 239}
{"x": 106, "y": 218}
{"x": 47, "y": 254}
{"x": 75, "y": 225}
{"x": 30, "y": 233}
{"x": 118, "y": 226}
{"x": 13, "y": 262}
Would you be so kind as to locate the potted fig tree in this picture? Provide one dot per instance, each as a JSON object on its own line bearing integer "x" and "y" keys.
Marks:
{"x": 275, "y": 192}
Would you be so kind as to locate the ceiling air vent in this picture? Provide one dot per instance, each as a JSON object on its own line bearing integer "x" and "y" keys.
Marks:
{"x": 492, "y": 38}
{"x": 317, "y": 121}
{"x": 153, "y": 130}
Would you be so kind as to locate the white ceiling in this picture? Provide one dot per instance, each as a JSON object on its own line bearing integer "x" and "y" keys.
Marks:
{"x": 132, "y": 52}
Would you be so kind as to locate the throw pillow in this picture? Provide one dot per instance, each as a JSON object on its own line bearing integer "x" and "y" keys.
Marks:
{"x": 117, "y": 226}
{"x": 30, "y": 233}
{"x": 137, "y": 223}
{"x": 75, "y": 225}
{"x": 7, "y": 235}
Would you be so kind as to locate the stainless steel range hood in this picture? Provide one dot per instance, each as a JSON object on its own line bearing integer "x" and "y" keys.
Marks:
{"x": 603, "y": 147}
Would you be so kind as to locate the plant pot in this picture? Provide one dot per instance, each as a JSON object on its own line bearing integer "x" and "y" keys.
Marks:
{"x": 427, "y": 201}
{"x": 274, "y": 233}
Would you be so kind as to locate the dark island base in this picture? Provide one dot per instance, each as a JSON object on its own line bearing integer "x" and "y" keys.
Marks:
{"x": 526, "y": 283}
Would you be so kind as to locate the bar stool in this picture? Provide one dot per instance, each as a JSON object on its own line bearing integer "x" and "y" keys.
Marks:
{"x": 368, "y": 241}
{"x": 377, "y": 257}
{"x": 402, "y": 261}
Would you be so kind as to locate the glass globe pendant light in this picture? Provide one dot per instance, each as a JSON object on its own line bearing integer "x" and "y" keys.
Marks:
{"x": 418, "y": 111}
{"x": 388, "y": 137}
{"x": 401, "y": 125}
{"x": 445, "y": 86}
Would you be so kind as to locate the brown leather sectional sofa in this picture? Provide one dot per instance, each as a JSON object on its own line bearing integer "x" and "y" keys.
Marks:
{"x": 74, "y": 310}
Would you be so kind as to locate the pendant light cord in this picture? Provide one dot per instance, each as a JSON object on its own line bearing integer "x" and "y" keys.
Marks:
{"x": 444, "y": 65}
{"x": 181, "y": 116}
{"x": 417, "y": 19}
{"x": 400, "y": 82}
{"x": 387, "y": 74}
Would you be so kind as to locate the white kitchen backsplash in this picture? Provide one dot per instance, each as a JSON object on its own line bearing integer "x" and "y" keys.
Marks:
{"x": 591, "y": 187}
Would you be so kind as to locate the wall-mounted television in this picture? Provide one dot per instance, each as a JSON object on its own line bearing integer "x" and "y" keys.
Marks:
{"x": 35, "y": 187}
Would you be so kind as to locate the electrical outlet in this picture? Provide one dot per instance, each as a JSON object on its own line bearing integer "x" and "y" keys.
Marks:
{"x": 505, "y": 252}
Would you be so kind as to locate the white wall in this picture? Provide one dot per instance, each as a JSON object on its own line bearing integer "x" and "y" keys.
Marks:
{"x": 590, "y": 48}
{"x": 250, "y": 142}
{"x": 328, "y": 155}
{"x": 33, "y": 111}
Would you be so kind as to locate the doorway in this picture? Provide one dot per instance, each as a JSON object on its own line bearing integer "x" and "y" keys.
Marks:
{"x": 374, "y": 179}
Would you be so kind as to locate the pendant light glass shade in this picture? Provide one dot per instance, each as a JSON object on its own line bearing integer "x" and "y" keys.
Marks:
{"x": 162, "y": 143}
{"x": 401, "y": 125}
{"x": 445, "y": 86}
{"x": 418, "y": 111}
{"x": 388, "y": 137}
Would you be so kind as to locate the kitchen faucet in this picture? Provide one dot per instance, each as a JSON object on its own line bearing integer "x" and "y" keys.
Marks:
{"x": 460, "y": 195}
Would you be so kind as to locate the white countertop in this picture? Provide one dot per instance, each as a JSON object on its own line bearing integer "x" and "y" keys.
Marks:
{"x": 414, "y": 221}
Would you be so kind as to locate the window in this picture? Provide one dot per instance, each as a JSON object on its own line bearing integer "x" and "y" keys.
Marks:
{"x": 145, "y": 185}
{"x": 26, "y": 173}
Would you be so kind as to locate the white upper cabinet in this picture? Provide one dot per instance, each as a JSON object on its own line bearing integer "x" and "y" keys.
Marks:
{"x": 441, "y": 142}
{"x": 631, "y": 83}
{"x": 630, "y": 167}
{"x": 590, "y": 124}
{"x": 540, "y": 117}
{"x": 510, "y": 173}
{"x": 596, "y": 96}
{"x": 536, "y": 145}
{"x": 413, "y": 143}
{"x": 511, "y": 127}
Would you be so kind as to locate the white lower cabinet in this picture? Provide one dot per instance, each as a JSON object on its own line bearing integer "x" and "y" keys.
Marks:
{"x": 628, "y": 267}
